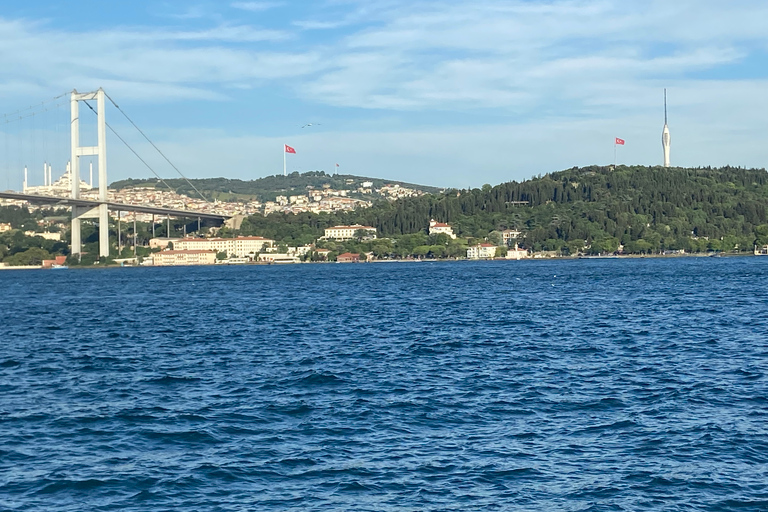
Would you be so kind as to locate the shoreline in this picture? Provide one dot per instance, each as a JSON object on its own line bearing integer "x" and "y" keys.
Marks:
{"x": 547, "y": 258}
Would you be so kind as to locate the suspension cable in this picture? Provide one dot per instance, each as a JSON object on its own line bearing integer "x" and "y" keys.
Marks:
{"x": 132, "y": 150}
{"x": 36, "y": 105}
{"x": 156, "y": 148}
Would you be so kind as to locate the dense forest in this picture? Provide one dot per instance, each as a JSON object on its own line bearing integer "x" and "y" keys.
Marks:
{"x": 264, "y": 189}
{"x": 645, "y": 209}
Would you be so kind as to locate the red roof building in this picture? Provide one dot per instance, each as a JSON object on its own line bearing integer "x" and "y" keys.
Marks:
{"x": 348, "y": 257}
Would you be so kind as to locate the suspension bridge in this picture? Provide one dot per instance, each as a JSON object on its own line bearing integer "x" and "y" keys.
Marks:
{"x": 69, "y": 191}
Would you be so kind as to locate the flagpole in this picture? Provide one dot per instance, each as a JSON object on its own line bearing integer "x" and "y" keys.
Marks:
{"x": 285, "y": 172}
{"x": 614, "y": 153}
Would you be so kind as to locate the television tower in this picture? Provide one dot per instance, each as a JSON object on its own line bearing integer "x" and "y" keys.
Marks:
{"x": 665, "y": 139}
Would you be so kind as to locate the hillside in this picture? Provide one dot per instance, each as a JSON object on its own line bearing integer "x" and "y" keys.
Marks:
{"x": 267, "y": 188}
{"x": 647, "y": 209}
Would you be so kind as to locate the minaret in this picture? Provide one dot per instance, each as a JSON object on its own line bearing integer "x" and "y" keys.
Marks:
{"x": 665, "y": 139}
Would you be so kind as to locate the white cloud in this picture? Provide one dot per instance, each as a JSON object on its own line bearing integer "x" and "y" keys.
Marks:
{"x": 256, "y": 6}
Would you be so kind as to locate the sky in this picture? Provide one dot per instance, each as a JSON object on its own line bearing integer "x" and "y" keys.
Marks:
{"x": 444, "y": 93}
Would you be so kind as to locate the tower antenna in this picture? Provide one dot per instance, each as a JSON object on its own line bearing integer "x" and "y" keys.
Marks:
{"x": 665, "y": 138}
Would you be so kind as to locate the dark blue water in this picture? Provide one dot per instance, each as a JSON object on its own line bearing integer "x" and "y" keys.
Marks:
{"x": 569, "y": 385}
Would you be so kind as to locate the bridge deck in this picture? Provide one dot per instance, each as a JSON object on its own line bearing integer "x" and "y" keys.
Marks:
{"x": 66, "y": 201}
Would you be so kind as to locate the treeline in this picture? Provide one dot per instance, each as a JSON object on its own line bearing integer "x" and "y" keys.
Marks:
{"x": 646, "y": 209}
{"x": 264, "y": 189}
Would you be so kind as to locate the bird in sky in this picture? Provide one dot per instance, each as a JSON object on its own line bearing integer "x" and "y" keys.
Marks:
{"x": 311, "y": 124}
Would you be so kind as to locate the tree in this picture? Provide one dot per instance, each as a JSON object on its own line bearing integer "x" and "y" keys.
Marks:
{"x": 361, "y": 234}
{"x": 221, "y": 255}
{"x": 495, "y": 238}
{"x": 32, "y": 256}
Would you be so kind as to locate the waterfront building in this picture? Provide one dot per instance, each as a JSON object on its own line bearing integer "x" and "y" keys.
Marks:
{"x": 516, "y": 253}
{"x": 275, "y": 257}
{"x": 481, "y": 251}
{"x": 242, "y": 246}
{"x": 348, "y": 232}
{"x": 348, "y": 257}
{"x": 184, "y": 257}
{"x": 322, "y": 253}
{"x": 436, "y": 228}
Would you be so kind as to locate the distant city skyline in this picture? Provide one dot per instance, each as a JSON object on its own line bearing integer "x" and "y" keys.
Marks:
{"x": 436, "y": 93}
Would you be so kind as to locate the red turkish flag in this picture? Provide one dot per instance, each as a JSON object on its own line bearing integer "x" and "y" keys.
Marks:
{"x": 289, "y": 149}
{"x": 619, "y": 141}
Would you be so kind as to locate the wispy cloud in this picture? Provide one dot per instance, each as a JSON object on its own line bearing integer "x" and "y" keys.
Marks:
{"x": 256, "y": 6}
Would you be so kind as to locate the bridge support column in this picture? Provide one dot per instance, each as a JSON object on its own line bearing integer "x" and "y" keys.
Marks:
{"x": 77, "y": 245}
{"x": 99, "y": 150}
{"x": 103, "y": 230}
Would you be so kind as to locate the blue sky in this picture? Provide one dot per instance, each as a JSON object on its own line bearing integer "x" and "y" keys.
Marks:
{"x": 436, "y": 92}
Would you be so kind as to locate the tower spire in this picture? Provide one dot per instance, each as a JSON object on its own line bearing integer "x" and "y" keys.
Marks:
{"x": 666, "y": 140}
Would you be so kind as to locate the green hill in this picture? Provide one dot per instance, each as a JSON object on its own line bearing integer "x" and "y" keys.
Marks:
{"x": 267, "y": 188}
{"x": 647, "y": 209}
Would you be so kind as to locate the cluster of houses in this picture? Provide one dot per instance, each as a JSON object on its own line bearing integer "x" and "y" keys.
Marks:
{"x": 244, "y": 249}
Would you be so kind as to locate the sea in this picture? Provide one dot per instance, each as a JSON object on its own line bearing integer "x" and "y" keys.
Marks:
{"x": 578, "y": 385}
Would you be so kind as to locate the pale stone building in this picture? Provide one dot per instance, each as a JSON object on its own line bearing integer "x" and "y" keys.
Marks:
{"x": 184, "y": 257}
{"x": 348, "y": 232}
{"x": 436, "y": 228}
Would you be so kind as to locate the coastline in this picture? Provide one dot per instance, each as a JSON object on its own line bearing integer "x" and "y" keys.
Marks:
{"x": 456, "y": 260}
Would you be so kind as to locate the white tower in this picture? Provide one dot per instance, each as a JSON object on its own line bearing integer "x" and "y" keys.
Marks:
{"x": 665, "y": 138}
{"x": 101, "y": 211}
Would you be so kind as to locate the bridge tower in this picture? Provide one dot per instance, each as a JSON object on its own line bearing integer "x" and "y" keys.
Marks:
{"x": 101, "y": 211}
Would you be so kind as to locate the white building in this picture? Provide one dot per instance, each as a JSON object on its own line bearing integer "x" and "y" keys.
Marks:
{"x": 481, "y": 251}
{"x": 275, "y": 257}
{"x": 509, "y": 236}
{"x": 170, "y": 258}
{"x": 62, "y": 187}
{"x": 436, "y": 228}
{"x": 348, "y": 232}
{"x": 48, "y": 236}
{"x": 242, "y": 246}
{"x": 516, "y": 253}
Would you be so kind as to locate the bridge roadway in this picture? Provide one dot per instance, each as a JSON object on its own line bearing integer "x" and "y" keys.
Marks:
{"x": 67, "y": 201}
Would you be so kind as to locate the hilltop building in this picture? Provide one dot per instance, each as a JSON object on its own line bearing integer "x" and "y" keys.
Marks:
{"x": 348, "y": 232}
{"x": 437, "y": 228}
{"x": 62, "y": 187}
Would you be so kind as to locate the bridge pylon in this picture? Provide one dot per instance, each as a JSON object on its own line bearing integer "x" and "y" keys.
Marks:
{"x": 101, "y": 211}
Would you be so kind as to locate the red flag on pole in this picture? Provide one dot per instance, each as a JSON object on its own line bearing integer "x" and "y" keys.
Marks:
{"x": 619, "y": 141}
{"x": 289, "y": 149}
